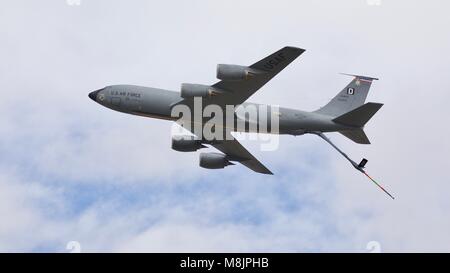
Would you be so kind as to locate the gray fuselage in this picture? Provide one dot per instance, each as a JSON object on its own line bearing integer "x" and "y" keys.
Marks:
{"x": 159, "y": 103}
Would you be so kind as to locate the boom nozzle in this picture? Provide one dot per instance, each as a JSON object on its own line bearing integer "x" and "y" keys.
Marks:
{"x": 362, "y": 163}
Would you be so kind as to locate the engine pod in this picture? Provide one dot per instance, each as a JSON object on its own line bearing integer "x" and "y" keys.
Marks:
{"x": 186, "y": 144}
{"x": 232, "y": 72}
{"x": 190, "y": 90}
{"x": 214, "y": 161}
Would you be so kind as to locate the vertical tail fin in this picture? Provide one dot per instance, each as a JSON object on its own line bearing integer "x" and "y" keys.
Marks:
{"x": 351, "y": 97}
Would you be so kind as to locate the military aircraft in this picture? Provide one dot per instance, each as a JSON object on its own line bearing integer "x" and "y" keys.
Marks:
{"x": 346, "y": 113}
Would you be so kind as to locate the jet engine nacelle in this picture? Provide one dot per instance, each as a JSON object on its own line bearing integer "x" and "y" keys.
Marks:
{"x": 232, "y": 72}
{"x": 190, "y": 90}
{"x": 214, "y": 161}
{"x": 186, "y": 144}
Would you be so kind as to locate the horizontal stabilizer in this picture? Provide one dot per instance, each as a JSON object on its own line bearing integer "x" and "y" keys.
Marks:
{"x": 359, "y": 116}
{"x": 357, "y": 136}
{"x": 366, "y": 78}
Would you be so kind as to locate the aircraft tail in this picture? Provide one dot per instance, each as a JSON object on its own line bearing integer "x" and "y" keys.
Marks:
{"x": 358, "y": 118}
{"x": 357, "y": 136}
{"x": 351, "y": 97}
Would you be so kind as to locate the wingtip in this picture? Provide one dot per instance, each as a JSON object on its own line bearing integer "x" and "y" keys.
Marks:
{"x": 266, "y": 171}
{"x": 295, "y": 48}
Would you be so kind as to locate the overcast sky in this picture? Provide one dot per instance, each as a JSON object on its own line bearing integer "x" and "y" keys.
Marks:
{"x": 71, "y": 170}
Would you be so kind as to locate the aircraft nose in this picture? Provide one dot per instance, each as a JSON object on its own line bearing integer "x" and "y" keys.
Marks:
{"x": 93, "y": 95}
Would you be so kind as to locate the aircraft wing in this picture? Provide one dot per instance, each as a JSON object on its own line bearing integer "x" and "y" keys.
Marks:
{"x": 236, "y": 152}
{"x": 236, "y": 92}
{"x": 232, "y": 149}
